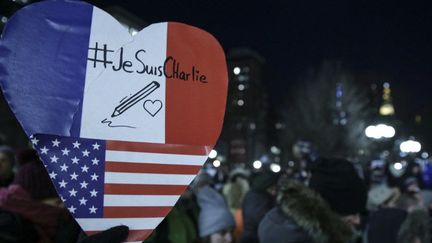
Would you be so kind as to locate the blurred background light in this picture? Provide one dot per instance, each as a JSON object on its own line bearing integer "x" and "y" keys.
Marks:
{"x": 275, "y": 168}
{"x": 213, "y": 153}
{"x": 380, "y": 131}
{"x": 216, "y": 163}
{"x": 410, "y": 146}
{"x": 237, "y": 70}
{"x": 257, "y": 164}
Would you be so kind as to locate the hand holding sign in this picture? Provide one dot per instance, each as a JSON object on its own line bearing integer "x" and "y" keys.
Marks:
{"x": 122, "y": 123}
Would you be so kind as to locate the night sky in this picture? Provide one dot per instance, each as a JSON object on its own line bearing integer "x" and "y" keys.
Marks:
{"x": 384, "y": 40}
{"x": 377, "y": 40}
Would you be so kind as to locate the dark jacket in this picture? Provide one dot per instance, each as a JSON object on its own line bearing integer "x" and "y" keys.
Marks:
{"x": 393, "y": 225}
{"x": 255, "y": 205}
{"x": 302, "y": 216}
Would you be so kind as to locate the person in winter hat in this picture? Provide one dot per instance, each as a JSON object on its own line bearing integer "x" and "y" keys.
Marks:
{"x": 257, "y": 202}
{"x": 33, "y": 197}
{"x": 234, "y": 192}
{"x": 302, "y": 216}
{"x": 325, "y": 212}
{"x": 26, "y": 155}
{"x": 236, "y": 188}
{"x": 33, "y": 177}
{"x": 338, "y": 183}
{"x": 215, "y": 220}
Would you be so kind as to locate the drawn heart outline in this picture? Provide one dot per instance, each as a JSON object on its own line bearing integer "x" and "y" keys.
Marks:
{"x": 152, "y": 107}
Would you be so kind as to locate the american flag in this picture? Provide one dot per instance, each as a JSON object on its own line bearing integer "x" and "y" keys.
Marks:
{"x": 109, "y": 183}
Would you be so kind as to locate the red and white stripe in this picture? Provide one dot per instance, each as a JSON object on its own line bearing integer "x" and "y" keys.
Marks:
{"x": 143, "y": 182}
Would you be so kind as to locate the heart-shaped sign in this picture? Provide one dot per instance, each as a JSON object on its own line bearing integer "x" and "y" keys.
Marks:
{"x": 77, "y": 82}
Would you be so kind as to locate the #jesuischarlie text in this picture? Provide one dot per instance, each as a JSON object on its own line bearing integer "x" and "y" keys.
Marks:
{"x": 171, "y": 67}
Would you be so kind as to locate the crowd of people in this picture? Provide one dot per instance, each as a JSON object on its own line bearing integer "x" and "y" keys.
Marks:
{"x": 334, "y": 202}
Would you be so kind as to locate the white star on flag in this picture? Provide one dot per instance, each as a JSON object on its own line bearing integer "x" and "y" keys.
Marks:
{"x": 34, "y": 141}
{"x": 95, "y": 161}
{"x": 96, "y": 146}
{"x": 64, "y": 167}
{"x": 75, "y": 160}
{"x": 54, "y": 159}
{"x": 93, "y": 209}
{"x": 84, "y": 184}
{"x": 85, "y": 153}
{"x": 63, "y": 184}
{"x": 93, "y": 193}
{"x": 72, "y": 209}
{"x": 73, "y": 192}
{"x": 83, "y": 201}
{"x": 94, "y": 177}
{"x": 74, "y": 176}
{"x": 44, "y": 150}
{"x": 52, "y": 175}
{"x": 76, "y": 145}
{"x": 84, "y": 168}
{"x": 55, "y": 143}
{"x": 65, "y": 151}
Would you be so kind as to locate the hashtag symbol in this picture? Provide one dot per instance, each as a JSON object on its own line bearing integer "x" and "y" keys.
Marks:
{"x": 104, "y": 51}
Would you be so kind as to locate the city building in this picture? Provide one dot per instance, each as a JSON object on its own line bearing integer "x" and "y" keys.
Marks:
{"x": 244, "y": 136}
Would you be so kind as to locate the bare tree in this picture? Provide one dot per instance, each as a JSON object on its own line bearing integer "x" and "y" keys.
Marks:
{"x": 329, "y": 109}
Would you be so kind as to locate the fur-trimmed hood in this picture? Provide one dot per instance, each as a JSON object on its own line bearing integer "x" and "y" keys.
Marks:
{"x": 303, "y": 216}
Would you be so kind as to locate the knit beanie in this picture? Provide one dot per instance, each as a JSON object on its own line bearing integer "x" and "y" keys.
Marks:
{"x": 338, "y": 183}
{"x": 214, "y": 215}
{"x": 264, "y": 180}
{"x": 34, "y": 178}
{"x": 26, "y": 155}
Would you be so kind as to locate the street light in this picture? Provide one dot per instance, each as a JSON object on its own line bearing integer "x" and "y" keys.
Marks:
{"x": 380, "y": 131}
{"x": 410, "y": 146}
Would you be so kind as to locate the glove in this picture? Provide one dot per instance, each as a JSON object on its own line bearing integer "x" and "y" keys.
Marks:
{"x": 116, "y": 234}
